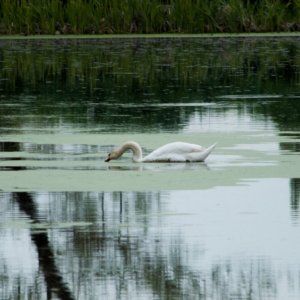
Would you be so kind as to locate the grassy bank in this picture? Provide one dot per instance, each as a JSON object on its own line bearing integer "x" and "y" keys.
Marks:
{"x": 156, "y": 16}
{"x": 149, "y": 36}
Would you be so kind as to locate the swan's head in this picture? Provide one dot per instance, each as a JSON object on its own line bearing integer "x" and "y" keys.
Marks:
{"x": 112, "y": 155}
{"x": 133, "y": 146}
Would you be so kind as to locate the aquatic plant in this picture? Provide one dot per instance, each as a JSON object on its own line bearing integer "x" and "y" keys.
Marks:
{"x": 157, "y": 16}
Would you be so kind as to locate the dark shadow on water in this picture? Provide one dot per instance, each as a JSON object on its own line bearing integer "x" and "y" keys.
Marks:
{"x": 9, "y": 146}
{"x": 290, "y": 146}
{"x": 292, "y": 135}
{"x": 13, "y": 168}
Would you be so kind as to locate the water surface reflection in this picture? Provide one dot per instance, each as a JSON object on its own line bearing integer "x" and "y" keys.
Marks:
{"x": 74, "y": 227}
{"x": 147, "y": 85}
{"x": 156, "y": 244}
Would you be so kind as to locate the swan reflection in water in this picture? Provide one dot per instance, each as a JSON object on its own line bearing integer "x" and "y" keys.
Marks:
{"x": 160, "y": 167}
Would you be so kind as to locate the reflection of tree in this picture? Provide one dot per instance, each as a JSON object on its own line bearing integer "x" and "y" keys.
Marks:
{"x": 143, "y": 67}
{"x": 120, "y": 248}
{"x": 295, "y": 196}
{"x": 121, "y": 252}
{"x": 245, "y": 280}
{"x": 155, "y": 71}
{"x": 54, "y": 281}
{"x": 286, "y": 114}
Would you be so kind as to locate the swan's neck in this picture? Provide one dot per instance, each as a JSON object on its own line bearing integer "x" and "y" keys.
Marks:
{"x": 135, "y": 148}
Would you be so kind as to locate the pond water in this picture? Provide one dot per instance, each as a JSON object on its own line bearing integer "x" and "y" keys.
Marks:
{"x": 75, "y": 227}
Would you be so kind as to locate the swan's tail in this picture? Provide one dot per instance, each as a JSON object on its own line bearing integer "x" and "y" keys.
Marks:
{"x": 207, "y": 151}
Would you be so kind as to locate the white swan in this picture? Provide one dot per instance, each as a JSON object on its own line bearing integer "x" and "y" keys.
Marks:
{"x": 173, "y": 152}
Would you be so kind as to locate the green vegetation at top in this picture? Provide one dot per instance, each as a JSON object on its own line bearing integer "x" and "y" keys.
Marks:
{"x": 155, "y": 16}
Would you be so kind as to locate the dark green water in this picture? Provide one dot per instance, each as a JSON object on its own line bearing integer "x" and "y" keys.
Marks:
{"x": 75, "y": 227}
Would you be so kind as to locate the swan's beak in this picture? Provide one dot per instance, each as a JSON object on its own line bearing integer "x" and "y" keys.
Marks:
{"x": 108, "y": 158}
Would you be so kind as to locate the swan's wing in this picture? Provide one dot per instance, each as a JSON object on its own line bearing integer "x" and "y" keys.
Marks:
{"x": 179, "y": 152}
{"x": 165, "y": 158}
{"x": 176, "y": 148}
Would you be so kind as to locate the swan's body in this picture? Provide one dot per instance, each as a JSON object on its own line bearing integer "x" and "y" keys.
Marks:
{"x": 173, "y": 152}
